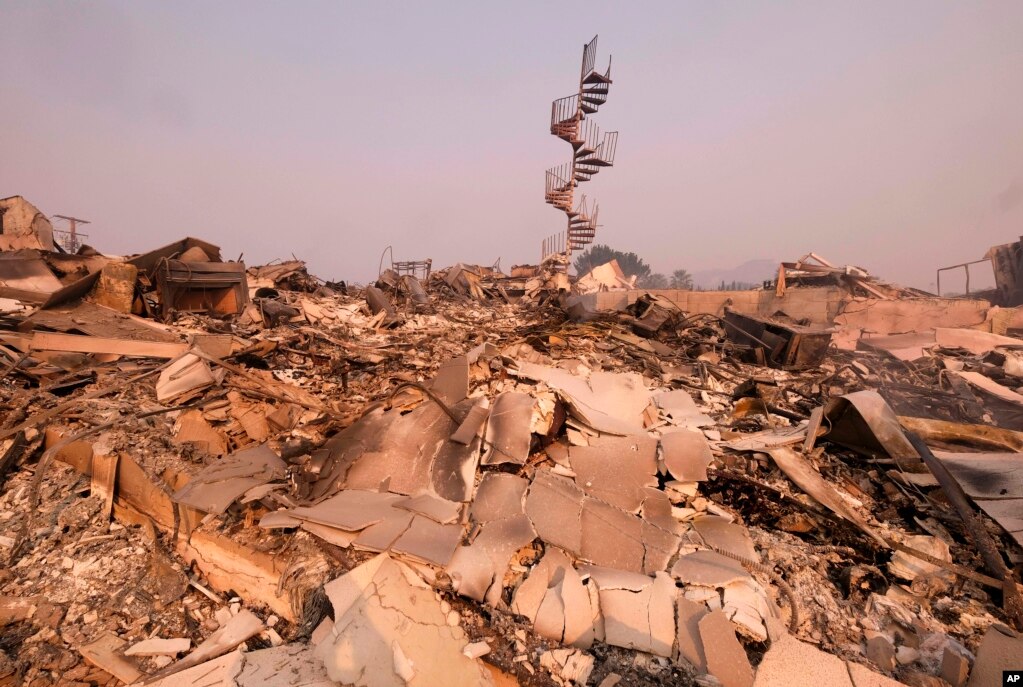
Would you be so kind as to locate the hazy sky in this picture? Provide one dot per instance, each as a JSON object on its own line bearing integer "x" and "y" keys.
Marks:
{"x": 883, "y": 134}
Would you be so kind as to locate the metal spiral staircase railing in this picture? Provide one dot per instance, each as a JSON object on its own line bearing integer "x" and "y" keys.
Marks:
{"x": 591, "y": 152}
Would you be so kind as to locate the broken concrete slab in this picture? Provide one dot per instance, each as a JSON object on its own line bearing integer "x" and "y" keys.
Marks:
{"x": 792, "y": 663}
{"x": 999, "y": 650}
{"x": 391, "y": 631}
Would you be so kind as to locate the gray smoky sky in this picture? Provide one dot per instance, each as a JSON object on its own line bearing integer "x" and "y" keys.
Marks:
{"x": 877, "y": 133}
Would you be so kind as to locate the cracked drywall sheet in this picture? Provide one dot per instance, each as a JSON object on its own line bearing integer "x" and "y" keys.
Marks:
{"x": 473, "y": 422}
{"x": 478, "y": 569}
{"x": 593, "y": 530}
{"x": 612, "y": 403}
{"x": 554, "y": 599}
{"x": 508, "y": 429}
{"x": 225, "y": 480}
{"x": 616, "y": 469}
{"x": 638, "y": 611}
{"x": 726, "y": 659}
{"x": 681, "y": 409}
{"x": 382, "y": 524}
{"x": 391, "y": 630}
{"x": 686, "y": 455}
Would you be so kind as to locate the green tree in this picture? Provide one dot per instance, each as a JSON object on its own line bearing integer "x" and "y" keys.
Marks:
{"x": 682, "y": 280}
{"x": 653, "y": 281}
{"x": 597, "y": 254}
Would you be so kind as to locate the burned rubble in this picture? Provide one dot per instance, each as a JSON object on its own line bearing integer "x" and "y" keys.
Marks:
{"x": 213, "y": 474}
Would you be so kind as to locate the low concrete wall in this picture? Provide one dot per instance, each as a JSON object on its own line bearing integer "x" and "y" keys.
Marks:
{"x": 824, "y": 306}
{"x": 819, "y": 305}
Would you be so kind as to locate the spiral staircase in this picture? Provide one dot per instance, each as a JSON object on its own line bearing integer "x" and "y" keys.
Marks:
{"x": 592, "y": 151}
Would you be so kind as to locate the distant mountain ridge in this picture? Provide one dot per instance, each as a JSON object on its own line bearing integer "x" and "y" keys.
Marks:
{"x": 751, "y": 271}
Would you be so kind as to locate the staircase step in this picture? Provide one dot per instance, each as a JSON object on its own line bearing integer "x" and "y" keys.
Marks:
{"x": 587, "y": 108}
{"x": 596, "y": 77}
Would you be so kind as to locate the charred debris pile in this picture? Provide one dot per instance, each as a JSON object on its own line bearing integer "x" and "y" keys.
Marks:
{"x": 220, "y": 475}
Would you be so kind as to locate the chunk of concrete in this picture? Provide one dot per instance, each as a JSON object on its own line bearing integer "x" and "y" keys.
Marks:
{"x": 726, "y": 659}
{"x": 999, "y": 650}
{"x": 792, "y": 663}
{"x": 954, "y": 667}
{"x": 881, "y": 652}
{"x": 689, "y": 646}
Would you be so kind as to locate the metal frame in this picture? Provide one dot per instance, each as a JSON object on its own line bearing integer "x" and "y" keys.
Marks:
{"x": 965, "y": 266}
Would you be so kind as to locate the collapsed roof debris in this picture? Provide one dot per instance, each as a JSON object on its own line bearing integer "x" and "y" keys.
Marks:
{"x": 450, "y": 477}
